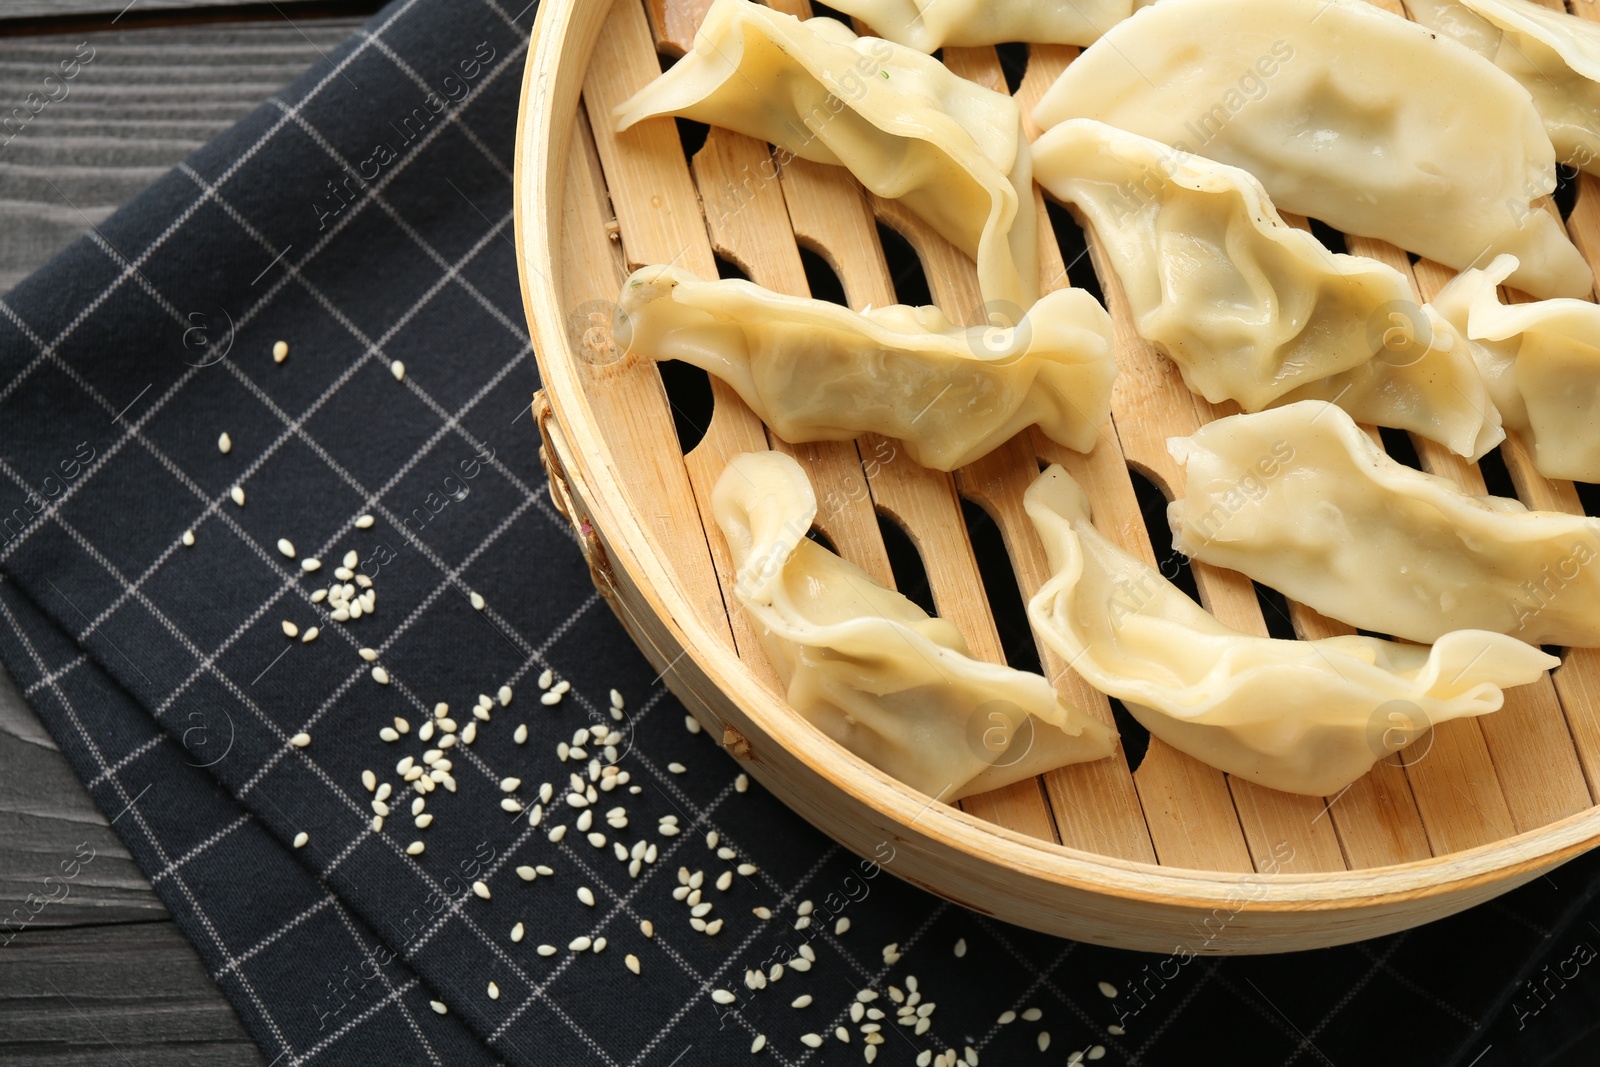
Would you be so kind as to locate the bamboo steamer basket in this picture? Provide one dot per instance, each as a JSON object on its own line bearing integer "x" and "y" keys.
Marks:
{"x": 1174, "y": 856}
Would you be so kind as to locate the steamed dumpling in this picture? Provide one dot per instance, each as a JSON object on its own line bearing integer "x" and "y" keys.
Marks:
{"x": 815, "y": 371}
{"x": 1553, "y": 55}
{"x": 1301, "y": 716}
{"x": 928, "y": 25}
{"x": 1252, "y": 309}
{"x": 1335, "y": 524}
{"x": 905, "y": 125}
{"x": 1541, "y": 362}
{"x": 873, "y": 671}
{"x": 1345, "y": 113}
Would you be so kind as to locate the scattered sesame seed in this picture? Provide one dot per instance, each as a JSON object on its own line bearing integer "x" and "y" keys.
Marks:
{"x": 550, "y": 699}
{"x": 676, "y": 767}
{"x": 1115, "y": 1030}
{"x": 493, "y": 991}
{"x": 424, "y": 820}
{"x": 647, "y": 928}
{"x": 301, "y": 838}
{"x": 1107, "y": 989}
{"x": 477, "y": 601}
{"x": 1032, "y": 1015}
{"x": 401, "y": 725}
{"x": 1044, "y": 1040}
{"x": 557, "y": 834}
{"x": 290, "y": 629}
{"x": 801, "y": 965}
{"x": 691, "y": 724}
{"x": 586, "y": 895}
{"x": 722, "y": 996}
{"x": 811, "y": 1040}
{"x": 365, "y": 522}
{"x": 300, "y": 740}
{"x": 388, "y": 733}
{"x": 546, "y": 677}
{"x": 286, "y": 547}
{"x": 759, "y": 1043}
{"x": 188, "y": 539}
{"x": 741, "y": 784}
{"x": 398, "y": 369}
{"x": 224, "y": 444}
{"x": 516, "y": 932}
{"x": 632, "y": 963}
{"x": 311, "y": 564}
{"x": 504, "y": 696}
{"x": 802, "y": 1001}
{"x": 841, "y": 927}
{"x": 280, "y": 352}
{"x": 415, "y": 848}
{"x": 510, "y": 785}
{"x": 380, "y": 676}
{"x": 309, "y": 636}
{"x": 580, "y": 944}
{"x": 725, "y": 881}
{"x": 548, "y": 950}
{"x": 1097, "y": 1052}
{"x": 521, "y": 734}
{"x": 377, "y": 824}
{"x": 762, "y": 913}
{"x": 961, "y": 947}
{"x": 599, "y": 945}
{"x": 480, "y": 890}
{"x": 1007, "y": 1017}
{"x": 747, "y": 869}
{"x": 237, "y": 495}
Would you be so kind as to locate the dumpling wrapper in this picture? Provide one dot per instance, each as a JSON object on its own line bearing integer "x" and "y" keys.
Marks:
{"x": 1300, "y": 499}
{"x": 872, "y": 670}
{"x": 815, "y": 371}
{"x": 928, "y": 25}
{"x": 1305, "y": 717}
{"x": 1541, "y": 362}
{"x": 1345, "y": 113}
{"x": 1553, "y": 55}
{"x": 1255, "y": 310}
{"x": 906, "y": 126}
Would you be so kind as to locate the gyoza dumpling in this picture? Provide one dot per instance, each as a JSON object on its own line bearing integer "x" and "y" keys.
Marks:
{"x": 1301, "y": 716}
{"x": 1541, "y": 362}
{"x": 928, "y": 25}
{"x": 1553, "y": 55}
{"x": 906, "y": 126}
{"x": 1299, "y": 499}
{"x": 872, "y": 670}
{"x": 815, "y": 371}
{"x": 1252, "y": 309}
{"x": 1345, "y": 113}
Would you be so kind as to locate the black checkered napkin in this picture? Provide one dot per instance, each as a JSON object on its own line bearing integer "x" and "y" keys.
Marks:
{"x": 364, "y": 217}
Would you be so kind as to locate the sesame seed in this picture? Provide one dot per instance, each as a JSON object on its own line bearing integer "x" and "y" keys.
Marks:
{"x": 504, "y": 696}
{"x": 511, "y": 804}
{"x": 842, "y": 1034}
{"x": 759, "y": 1043}
{"x": 762, "y": 913}
{"x": 722, "y": 996}
{"x": 516, "y": 932}
{"x": 424, "y": 820}
{"x": 301, "y": 838}
{"x": 280, "y": 352}
{"x": 676, "y": 767}
{"x": 548, "y": 950}
{"x": 365, "y": 522}
{"x": 550, "y": 699}
{"x": 380, "y": 676}
{"x": 319, "y": 596}
{"x": 647, "y": 928}
{"x": 377, "y": 824}
{"x": 961, "y": 947}
{"x": 510, "y": 785}
{"x": 1007, "y": 1017}
{"x": 309, "y": 636}
{"x": 801, "y": 965}
{"x": 580, "y": 944}
{"x": 286, "y": 547}
{"x": 557, "y": 834}
{"x": 725, "y": 881}
{"x": 1115, "y": 1030}
{"x": 300, "y": 740}
{"x": 545, "y": 678}
{"x": 369, "y": 780}
{"x": 1032, "y": 1015}
{"x": 1097, "y": 1052}
{"x": 746, "y": 869}
{"x": 924, "y": 1058}
{"x": 1107, "y": 989}
{"x": 224, "y": 444}
{"x": 741, "y": 784}
{"x": 290, "y": 629}
{"x": 841, "y": 927}
{"x": 237, "y": 495}
{"x": 415, "y": 848}
{"x": 388, "y": 733}
{"x": 494, "y": 991}
{"x": 398, "y": 369}
{"x": 599, "y": 945}
{"x": 691, "y": 724}
{"x": 808, "y": 953}
{"x": 401, "y": 725}
{"x": 480, "y": 890}
{"x": 1044, "y": 1040}
{"x": 188, "y": 539}
{"x": 971, "y": 1056}
{"x": 311, "y": 564}
{"x": 521, "y": 734}
{"x": 811, "y": 1040}
{"x": 477, "y": 601}
{"x": 586, "y": 895}
{"x": 632, "y": 963}
{"x": 870, "y": 1053}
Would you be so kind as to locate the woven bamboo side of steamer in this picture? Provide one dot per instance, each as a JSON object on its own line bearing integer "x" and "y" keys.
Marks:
{"x": 1093, "y": 851}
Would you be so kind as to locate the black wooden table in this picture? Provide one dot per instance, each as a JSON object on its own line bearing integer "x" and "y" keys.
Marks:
{"x": 105, "y": 977}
